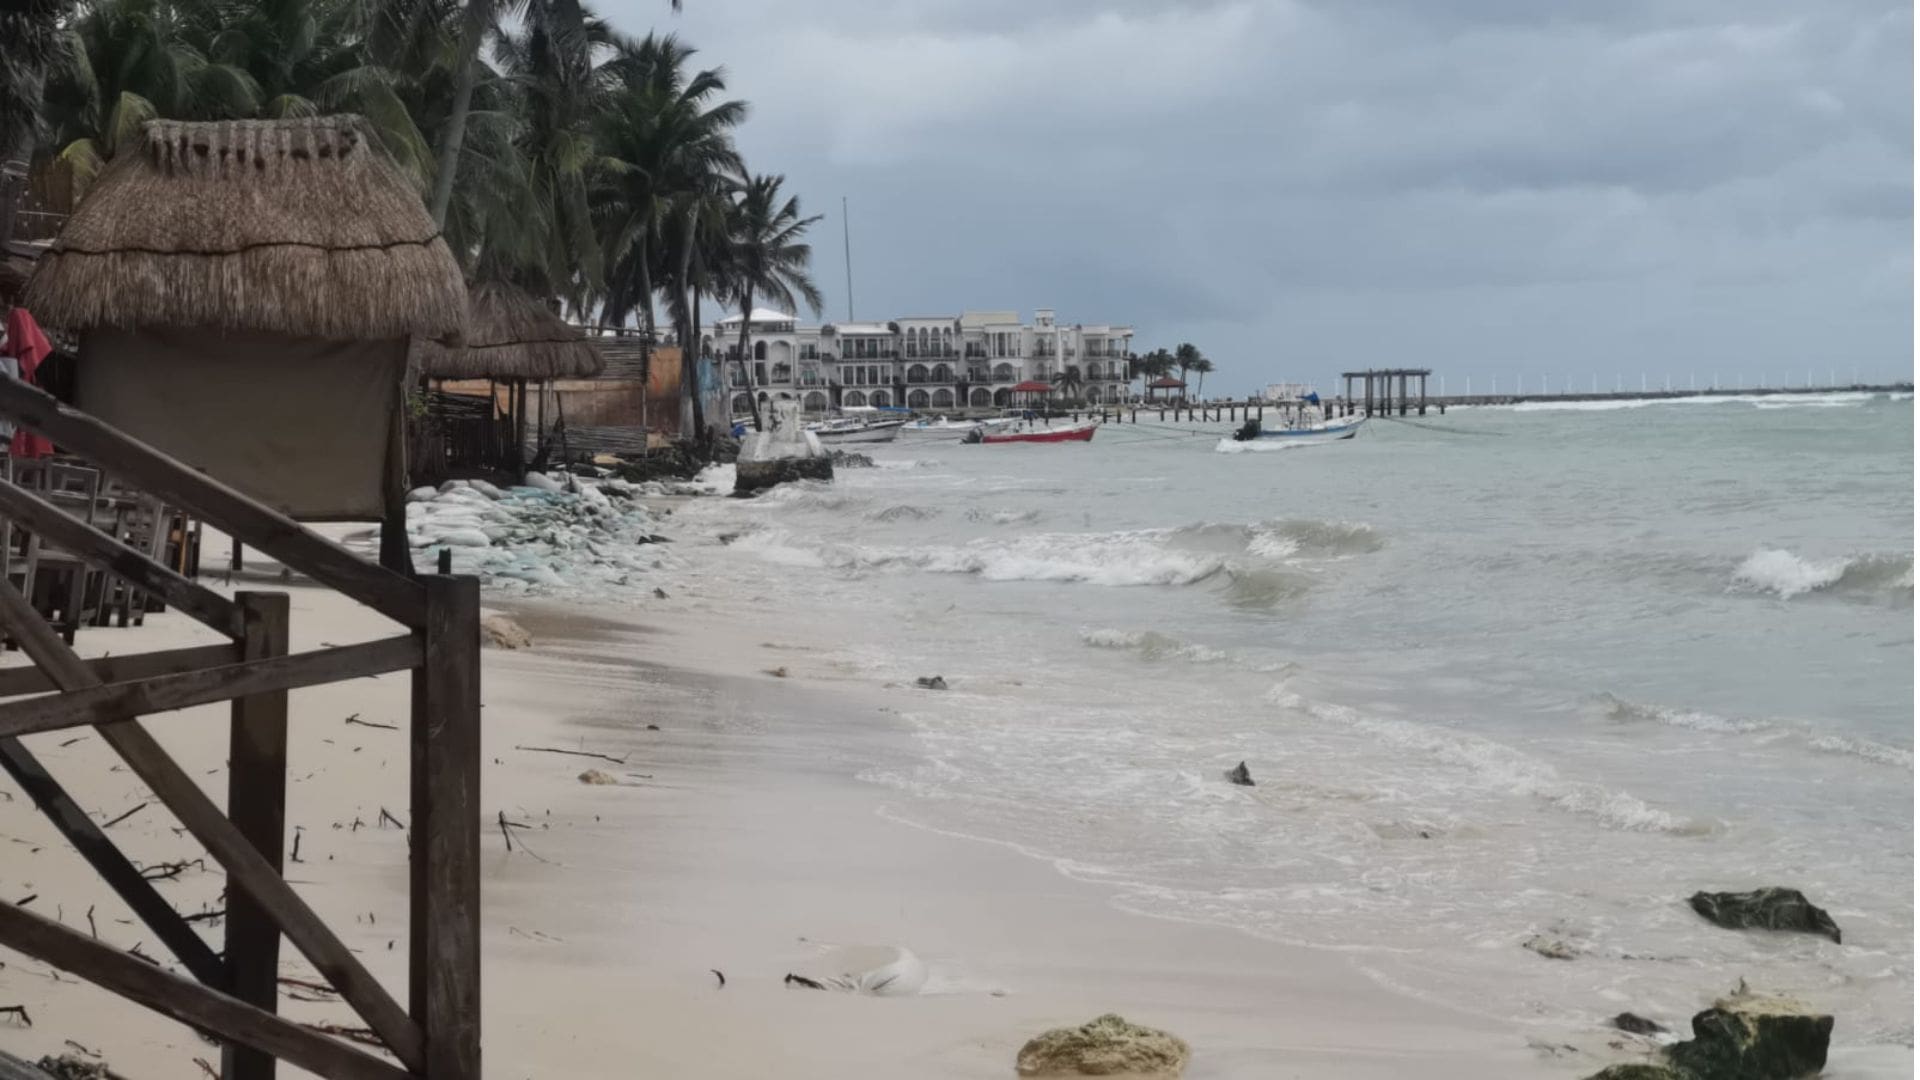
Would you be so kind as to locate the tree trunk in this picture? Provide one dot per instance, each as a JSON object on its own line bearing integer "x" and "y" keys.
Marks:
{"x": 746, "y": 369}
{"x": 456, "y": 133}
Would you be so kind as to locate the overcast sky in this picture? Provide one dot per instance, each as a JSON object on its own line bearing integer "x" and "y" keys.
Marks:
{"x": 1488, "y": 187}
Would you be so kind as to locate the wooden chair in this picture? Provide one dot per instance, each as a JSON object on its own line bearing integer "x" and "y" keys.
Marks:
{"x": 59, "y": 585}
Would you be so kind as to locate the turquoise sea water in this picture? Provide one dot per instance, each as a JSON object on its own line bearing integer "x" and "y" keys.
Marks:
{"x": 1545, "y": 672}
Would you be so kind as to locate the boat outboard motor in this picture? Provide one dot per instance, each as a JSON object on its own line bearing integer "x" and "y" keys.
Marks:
{"x": 1247, "y": 431}
{"x": 973, "y": 436}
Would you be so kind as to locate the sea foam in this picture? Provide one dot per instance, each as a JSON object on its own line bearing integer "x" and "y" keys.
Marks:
{"x": 1788, "y": 575}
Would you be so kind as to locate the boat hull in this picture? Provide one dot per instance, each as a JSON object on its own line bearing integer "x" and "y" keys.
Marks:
{"x": 1279, "y": 437}
{"x": 876, "y": 433}
{"x": 1077, "y": 433}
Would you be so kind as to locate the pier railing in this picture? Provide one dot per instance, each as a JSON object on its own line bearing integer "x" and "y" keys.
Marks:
{"x": 233, "y": 994}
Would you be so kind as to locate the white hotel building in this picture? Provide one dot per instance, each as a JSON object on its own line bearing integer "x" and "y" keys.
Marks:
{"x": 933, "y": 362}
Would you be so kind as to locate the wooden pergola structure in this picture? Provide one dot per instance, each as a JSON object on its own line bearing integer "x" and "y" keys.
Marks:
{"x": 1377, "y": 390}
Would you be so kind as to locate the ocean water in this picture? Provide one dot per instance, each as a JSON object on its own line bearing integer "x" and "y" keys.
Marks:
{"x": 1544, "y": 670}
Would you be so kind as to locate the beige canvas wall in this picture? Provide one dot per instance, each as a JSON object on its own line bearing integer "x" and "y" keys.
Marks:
{"x": 302, "y": 425}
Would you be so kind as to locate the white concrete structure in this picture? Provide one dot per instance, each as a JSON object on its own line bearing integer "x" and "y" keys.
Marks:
{"x": 934, "y": 363}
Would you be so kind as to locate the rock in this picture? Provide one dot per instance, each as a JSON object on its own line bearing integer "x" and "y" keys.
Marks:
{"x": 1239, "y": 775}
{"x": 1637, "y": 1025}
{"x": 1107, "y": 1046}
{"x": 778, "y": 672}
{"x": 848, "y": 460}
{"x": 1750, "y": 1037}
{"x": 503, "y": 633}
{"x": 1767, "y": 909}
{"x": 930, "y": 682}
{"x": 1743, "y": 1037}
{"x": 595, "y": 776}
{"x": 1551, "y": 948}
{"x": 750, "y": 477}
{"x": 659, "y": 593}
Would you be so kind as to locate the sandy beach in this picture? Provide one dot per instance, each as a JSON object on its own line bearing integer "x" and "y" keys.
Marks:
{"x": 736, "y": 838}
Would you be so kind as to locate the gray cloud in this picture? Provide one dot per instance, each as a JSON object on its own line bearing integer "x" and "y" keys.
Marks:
{"x": 1486, "y": 185}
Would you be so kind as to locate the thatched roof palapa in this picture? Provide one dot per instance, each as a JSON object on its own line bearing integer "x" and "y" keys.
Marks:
{"x": 510, "y": 335}
{"x": 300, "y": 227}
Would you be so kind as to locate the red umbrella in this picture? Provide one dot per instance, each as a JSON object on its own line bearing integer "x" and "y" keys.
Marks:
{"x": 1032, "y": 386}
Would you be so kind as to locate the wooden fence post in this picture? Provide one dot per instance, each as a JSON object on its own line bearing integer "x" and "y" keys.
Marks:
{"x": 257, "y": 805}
{"x": 444, "y": 935}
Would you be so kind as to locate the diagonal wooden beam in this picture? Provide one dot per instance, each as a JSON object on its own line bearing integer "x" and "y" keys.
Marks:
{"x": 245, "y": 866}
{"x": 112, "y": 702}
{"x": 198, "y": 1006}
{"x": 241, "y": 516}
{"x": 113, "y": 867}
{"x": 16, "y": 681}
{"x": 96, "y": 548}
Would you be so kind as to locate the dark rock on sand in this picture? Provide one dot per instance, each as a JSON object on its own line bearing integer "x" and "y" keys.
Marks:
{"x": 1239, "y": 775}
{"x": 1766, "y": 909}
{"x": 1551, "y": 948}
{"x": 1743, "y": 1037}
{"x": 1108, "y": 1046}
{"x": 1637, "y": 1025}
{"x": 847, "y": 460}
{"x": 930, "y": 682}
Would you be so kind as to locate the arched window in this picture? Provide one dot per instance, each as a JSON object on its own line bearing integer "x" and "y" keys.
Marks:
{"x": 943, "y": 399}
{"x": 980, "y": 397}
{"x": 942, "y": 373}
{"x": 854, "y": 399}
{"x": 917, "y": 373}
{"x": 1003, "y": 373}
{"x": 918, "y": 399}
{"x": 880, "y": 399}
{"x": 1003, "y": 397}
{"x": 759, "y": 350}
{"x": 742, "y": 404}
{"x": 815, "y": 402}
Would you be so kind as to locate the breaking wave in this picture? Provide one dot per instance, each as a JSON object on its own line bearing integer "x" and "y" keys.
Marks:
{"x": 1835, "y": 399}
{"x": 903, "y": 512}
{"x": 1154, "y": 646}
{"x": 1622, "y": 711}
{"x": 1863, "y": 748}
{"x": 1282, "y": 538}
{"x": 1499, "y": 767}
{"x": 1787, "y": 575}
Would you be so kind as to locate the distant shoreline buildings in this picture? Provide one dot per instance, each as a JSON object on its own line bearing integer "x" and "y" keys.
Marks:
{"x": 973, "y": 360}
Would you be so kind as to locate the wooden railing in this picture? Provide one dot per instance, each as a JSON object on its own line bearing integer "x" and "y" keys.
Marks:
{"x": 234, "y": 997}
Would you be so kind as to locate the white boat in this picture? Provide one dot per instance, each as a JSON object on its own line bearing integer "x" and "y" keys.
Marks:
{"x": 936, "y": 430}
{"x": 1300, "y": 429}
{"x": 855, "y": 429}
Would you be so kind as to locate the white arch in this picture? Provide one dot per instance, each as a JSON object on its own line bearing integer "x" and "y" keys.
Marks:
{"x": 943, "y": 399}
{"x": 918, "y": 399}
{"x": 854, "y": 398}
{"x": 980, "y": 398}
{"x": 816, "y": 402}
{"x": 942, "y": 373}
{"x": 880, "y": 399}
{"x": 917, "y": 373}
{"x": 1003, "y": 373}
{"x": 742, "y": 404}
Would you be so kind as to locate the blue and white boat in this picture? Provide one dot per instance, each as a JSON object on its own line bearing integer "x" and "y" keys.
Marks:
{"x": 1302, "y": 424}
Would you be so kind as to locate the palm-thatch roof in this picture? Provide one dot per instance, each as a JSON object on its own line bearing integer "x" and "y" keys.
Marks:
{"x": 510, "y": 335}
{"x": 300, "y": 227}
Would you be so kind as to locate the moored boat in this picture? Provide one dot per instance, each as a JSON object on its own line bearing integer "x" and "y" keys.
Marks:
{"x": 943, "y": 428}
{"x": 1081, "y": 432}
{"x": 1299, "y": 431}
{"x": 853, "y": 429}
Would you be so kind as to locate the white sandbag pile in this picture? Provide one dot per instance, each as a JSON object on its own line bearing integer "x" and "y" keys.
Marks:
{"x": 541, "y": 536}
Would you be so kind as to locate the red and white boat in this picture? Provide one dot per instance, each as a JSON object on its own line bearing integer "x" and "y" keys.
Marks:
{"x": 1081, "y": 432}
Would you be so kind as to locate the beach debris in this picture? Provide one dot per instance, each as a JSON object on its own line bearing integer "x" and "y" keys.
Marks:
{"x": 718, "y": 974}
{"x": 503, "y": 633}
{"x": 69, "y": 1067}
{"x": 1549, "y": 947}
{"x": 207, "y": 1067}
{"x": 930, "y": 682}
{"x": 164, "y": 871}
{"x": 1744, "y": 1036}
{"x": 801, "y": 980}
{"x": 363, "y": 1036}
{"x": 1106, "y": 1046}
{"x": 573, "y": 753}
{"x": 1637, "y": 1025}
{"x": 659, "y": 593}
{"x": 1239, "y": 775}
{"x": 595, "y": 776}
{"x": 125, "y": 816}
{"x": 778, "y": 672}
{"x": 1766, "y": 909}
{"x": 875, "y": 970}
{"x": 355, "y": 719}
{"x": 18, "y": 1013}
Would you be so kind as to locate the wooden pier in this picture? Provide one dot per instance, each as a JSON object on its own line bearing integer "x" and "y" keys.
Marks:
{"x": 1377, "y": 396}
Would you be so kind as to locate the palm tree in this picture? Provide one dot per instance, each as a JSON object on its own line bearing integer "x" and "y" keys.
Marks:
{"x": 768, "y": 257}
{"x": 1202, "y": 365}
{"x": 1068, "y": 382}
{"x": 1185, "y": 356}
{"x": 32, "y": 33}
{"x": 1149, "y": 367}
{"x": 665, "y": 146}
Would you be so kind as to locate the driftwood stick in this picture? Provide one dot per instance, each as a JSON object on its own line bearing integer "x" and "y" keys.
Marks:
{"x": 19, "y": 1011}
{"x": 575, "y": 753}
{"x": 305, "y": 984}
{"x": 355, "y": 719}
{"x": 364, "y": 1036}
{"x": 127, "y": 815}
